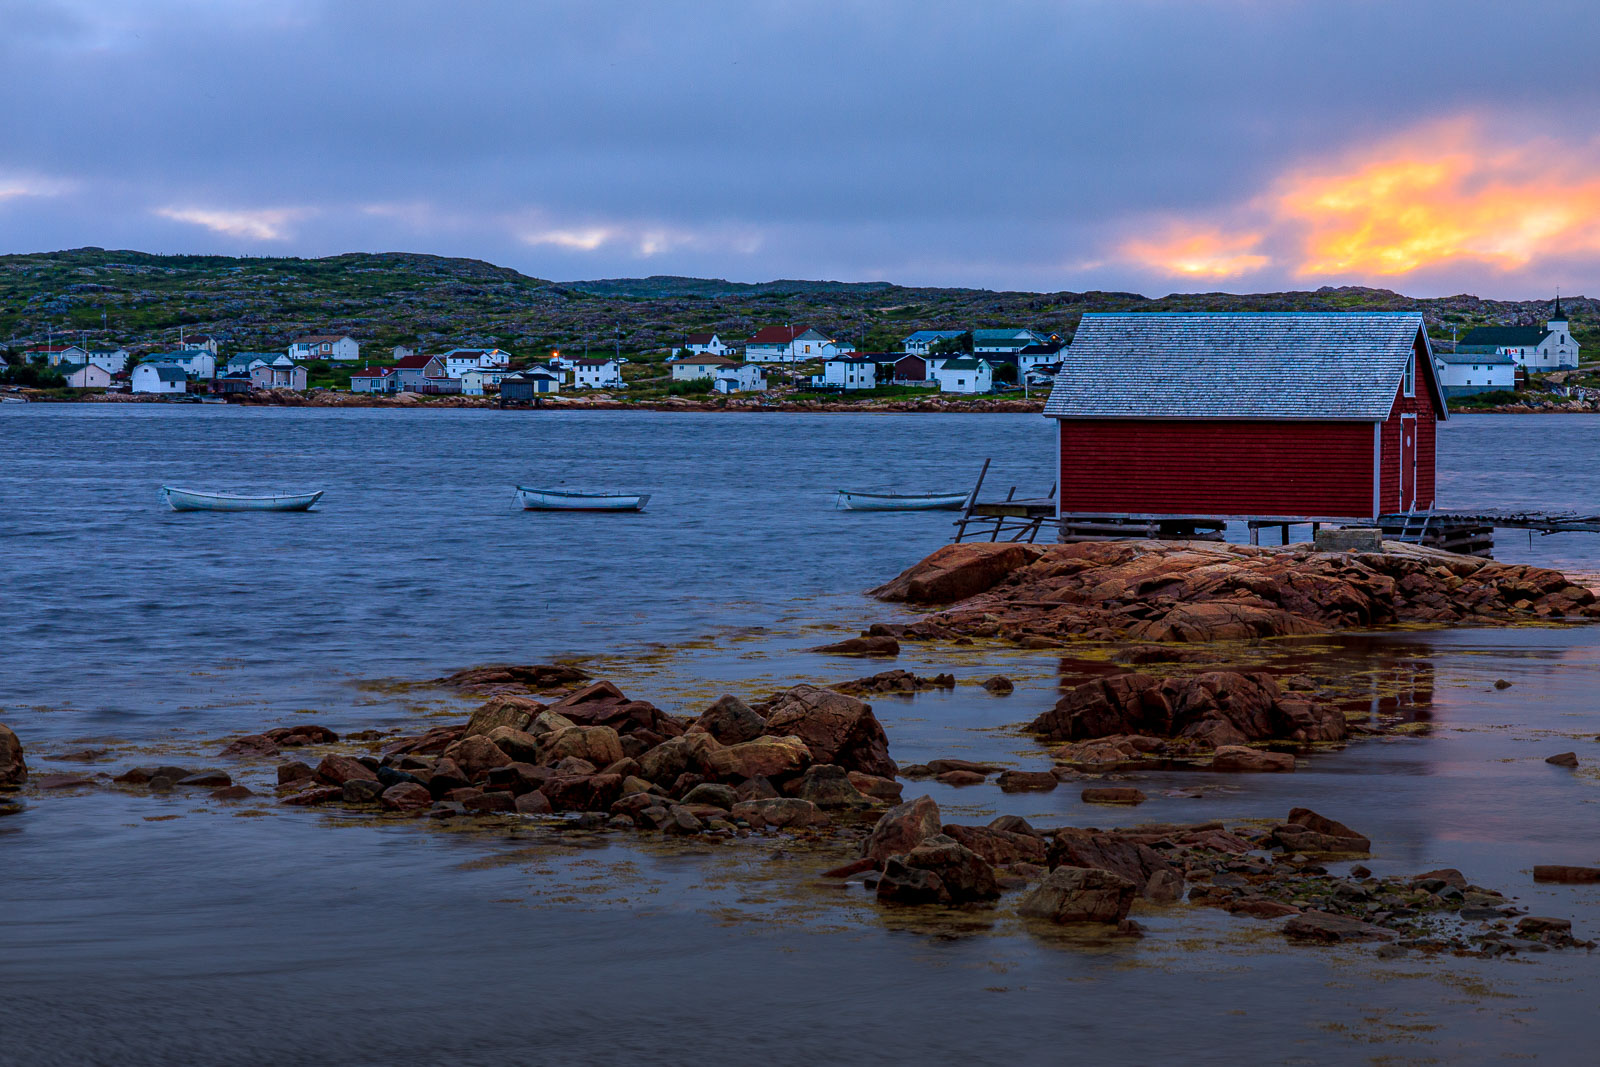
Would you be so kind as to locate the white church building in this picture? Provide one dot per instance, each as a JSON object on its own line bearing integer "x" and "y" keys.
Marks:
{"x": 1552, "y": 348}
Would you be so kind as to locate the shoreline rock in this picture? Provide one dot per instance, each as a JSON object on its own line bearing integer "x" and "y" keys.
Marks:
{"x": 13, "y": 766}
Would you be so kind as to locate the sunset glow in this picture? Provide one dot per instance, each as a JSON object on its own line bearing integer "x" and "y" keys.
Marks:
{"x": 1445, "y": 194}
{"x": 1199, "y": 253}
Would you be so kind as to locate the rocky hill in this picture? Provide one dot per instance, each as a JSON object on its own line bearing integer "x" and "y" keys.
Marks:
{"x": 402, "y": 298}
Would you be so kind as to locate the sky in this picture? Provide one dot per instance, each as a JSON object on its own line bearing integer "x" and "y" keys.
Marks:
{"x": 1428, "y": 146}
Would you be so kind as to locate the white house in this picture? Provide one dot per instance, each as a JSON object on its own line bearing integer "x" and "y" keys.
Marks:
{"x": 690, "y": 368}
{"x": 325, "y": 346}
{"x": 55, "y": 355}
{"x": 847, "y": 372}
{"x": 402, "y": 351}
{"x": 159, "y": 378}
{"x": 1045, "y": 354}
{"x": 739, "y": 378}
{"x": 557, "y": 373}
{"x": 85, "y": 375}
{"x": 1551, "y": 348}
{"x": 283, "y": 374}
{"x": 110, "y": 360}
{"x": 969, "y": 374}
{"x": 919, "y": 343}
{"x": 1004, "y": 340}
{"x": 458, "y": 361}
{"x": 197, "y": 363}
{"x": 596, "y": 373}
{"x": 792, "y": 344}
{"x": 199, "y": 340}
{"x": 1465, "y": 373}
{"x": 375, "y": 380}
{"x": 703, "y": 344}
{"x": 242, "y": 362}
{"x": 480, "y": 381}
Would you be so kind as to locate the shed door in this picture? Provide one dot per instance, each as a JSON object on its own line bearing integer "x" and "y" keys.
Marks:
{"x": 1408, "y": 462}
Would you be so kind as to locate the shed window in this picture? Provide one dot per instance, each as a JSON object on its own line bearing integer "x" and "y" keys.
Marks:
{"x": 1409, "y": 386}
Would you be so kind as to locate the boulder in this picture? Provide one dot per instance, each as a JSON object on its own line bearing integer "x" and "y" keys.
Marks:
{"x": 476, "y": 756}
{"x": 446, "y": 776}
{"x": 337, "y": 770}
{"x": 315, "y": 795}
{"x": 713, "y": 793}
{"x": 510, "y": 677}
{"x": 895, "y": 681}
{"x": 678, "y": 755}
{"x": 535, "y": 803}
{"x": 960, "y": 778}
{"x": 1239, "y": 758}
{"x": 1133, "y": 860}
{"x": 13, "y": 767}
{"x": 232, "y": 792}
{"x": 903, "y": 884}
{"x": 1563, "y": 759}
{"x": 902, "y": 828}
{"x": 862, "y": 646}
{"x": 828, "y": 786}
{"x": 1547, "y": 872}
{"x": 251, "y": 745}
{"x": 836, "y": 728}
{"x": 513, "y": 713}
{"x": 765, "y": 757}
{"x": 518, "y": 745}
{"x": 1027, "y": 781}
{"x": 364, "y": 791}
{"x": 955, "y": 572}
{"x": 999, "y": 685}
{"x": 583, "y": 792}
{"x": 406, "y": 796}
{"x": 1079, "y": 895}
{"x": 731, "y": 721}
{"x": 549, "y": 722}
{"x": 886, "y": 789}
{"x": 779, "y": 812}
{"x": 1328, "y": 928}
{"x": 293, "y": 771}
{"x": 998, "y": 847}
{"x": 600, "y": 745}
{"x": 206, "y": 780}
{"x": 1306, "y": 831}
{"x": 966, "y": 876}
{"x": 1113, "y": 795}
{"x": 488, "y": 802}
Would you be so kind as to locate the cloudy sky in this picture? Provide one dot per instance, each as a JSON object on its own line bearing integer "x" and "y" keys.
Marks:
{"x": 1429, "y": 146}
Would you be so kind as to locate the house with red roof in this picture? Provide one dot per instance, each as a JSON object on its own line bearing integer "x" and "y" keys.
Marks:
{"x": 375, "y": 380}
{"x": 702, "y": 344}
{"x": 412, "y": 370}
{"x": 792, "y": 344}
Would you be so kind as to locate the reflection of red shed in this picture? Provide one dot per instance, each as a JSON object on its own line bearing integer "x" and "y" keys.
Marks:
{"x": 1264, "y": 416}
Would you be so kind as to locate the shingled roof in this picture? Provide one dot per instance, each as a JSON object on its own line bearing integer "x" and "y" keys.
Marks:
{"x": 1237, "y": 366}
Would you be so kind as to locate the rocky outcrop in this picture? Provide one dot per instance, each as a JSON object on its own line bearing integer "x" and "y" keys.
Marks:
{"x": 13, "y": 767}
{"x": 1220, "y": 708}
{"x": 1171, "y": 591}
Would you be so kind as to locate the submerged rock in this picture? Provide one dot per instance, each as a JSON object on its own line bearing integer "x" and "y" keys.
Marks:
{"x": 1328, "y": 929}
{"x": 13, "y": 767}
{"x": 862, "y": 646}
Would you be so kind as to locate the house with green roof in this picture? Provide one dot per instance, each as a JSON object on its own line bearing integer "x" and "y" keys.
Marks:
{"x": 969, "y": 374}
{"x": 1552, "y": 348}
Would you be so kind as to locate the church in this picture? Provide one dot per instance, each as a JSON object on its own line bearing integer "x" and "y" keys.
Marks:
{"x": 1552, "y": 348}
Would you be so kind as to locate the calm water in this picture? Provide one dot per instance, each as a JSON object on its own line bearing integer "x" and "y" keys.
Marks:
{"x": 141, "y": 930}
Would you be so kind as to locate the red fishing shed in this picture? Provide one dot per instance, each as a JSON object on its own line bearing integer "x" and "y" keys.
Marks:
{"x": 1307, "y": 417}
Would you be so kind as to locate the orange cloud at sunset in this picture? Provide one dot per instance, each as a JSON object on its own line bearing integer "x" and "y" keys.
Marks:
{"x": 1448, "y": 193}
{"x": 1193, "y": 253}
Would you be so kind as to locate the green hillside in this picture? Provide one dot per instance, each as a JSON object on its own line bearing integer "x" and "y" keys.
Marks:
{"x": 384, "y": 299}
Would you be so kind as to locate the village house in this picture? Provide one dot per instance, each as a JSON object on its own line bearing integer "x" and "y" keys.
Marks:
{"x": 332, "y": 346}
{"x": 1465, "y": 373}
{"x": 964, "y": 374}
{"x": 918, "y": 343}
{"x": 481, "y": 381}
{"x": 84, "y": 375}
{"x": 411, "y": 371}
{"x": 375, "y": 380}
{"x": 703, "y": 344}
{"x": 159, "y": 378}
{"x": 110, "y": 360}
{"x": 792, "y": 344}
{"x": 596, "y": 374}
{"x": 402, "y": 351}
{"x": 690, "y": 368}
{"x": 232, "y": 381}
{"x": 1311, "y": 416}
{"x": 55, "y": 354}
{"x": 283, "y": 374}
{"x": 911, "y": 370}
{"x": 540, "y": 368}
{"x": 241, "y": 362}
{"x": 198, "y": 363}
{"x": 199, "y": 340}
{"x": 1008, "y": 341}
{"x": 847, "y": 372}
{"x": 458, "y": 361}
{"x": 1034, "y": 357}
{"x": 739, "y": 378}
{"x": 529, "y": 384}
{"x": 1552, "y": 348}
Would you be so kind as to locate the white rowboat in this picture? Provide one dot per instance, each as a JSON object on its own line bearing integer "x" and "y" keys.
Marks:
{"x": 568, "y": 500}
{"x": 195, "y": 500}
{"x": 850, "y": 500}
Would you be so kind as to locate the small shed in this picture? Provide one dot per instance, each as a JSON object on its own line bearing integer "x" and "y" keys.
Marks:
{"x": 1325, "y": 417}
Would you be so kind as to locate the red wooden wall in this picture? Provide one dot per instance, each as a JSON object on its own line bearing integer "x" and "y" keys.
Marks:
{"x": 1218, "y": 467}
{"x": 1422, "y": 407}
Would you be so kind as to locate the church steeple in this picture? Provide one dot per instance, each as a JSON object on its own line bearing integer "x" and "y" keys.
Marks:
{"x": 1558, "y": 316}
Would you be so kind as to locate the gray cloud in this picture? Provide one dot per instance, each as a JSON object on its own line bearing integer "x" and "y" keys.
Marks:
{"x": 1018, "y": 145}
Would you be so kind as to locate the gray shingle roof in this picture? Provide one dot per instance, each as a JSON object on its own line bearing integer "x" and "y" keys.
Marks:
{"x": 1506, "y": 336}
{"x": 1236, "y": 366}
{"x": 1490, "y": 358}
